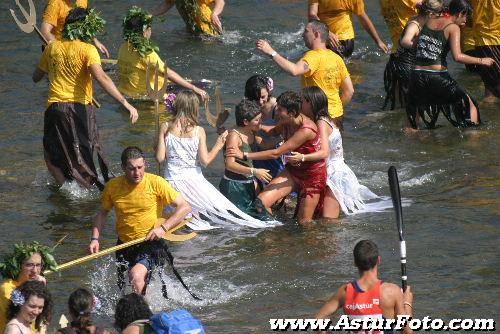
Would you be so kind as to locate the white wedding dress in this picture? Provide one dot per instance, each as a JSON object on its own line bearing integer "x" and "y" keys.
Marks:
{"x": 343, "y": 182}
{"x": 183, "y": 171}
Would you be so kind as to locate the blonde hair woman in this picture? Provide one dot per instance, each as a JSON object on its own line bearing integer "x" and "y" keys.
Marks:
{"x": 182, "y": 143}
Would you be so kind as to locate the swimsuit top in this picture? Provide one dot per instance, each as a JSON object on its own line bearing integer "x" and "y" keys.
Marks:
{"x": 247, "y": 163}
{"x": 432, "y": 47}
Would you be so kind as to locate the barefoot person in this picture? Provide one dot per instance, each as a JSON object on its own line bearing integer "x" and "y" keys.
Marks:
{"x": 432, "y": 90}
{"x": 70, "y": 136}
{"x": 26, "y": 263}
{"x": 30, "y": 309}
{"x": 307, "y": 178}
{"x": 337, "y": 14}
{"x": 318, "y": 67}
{"x": 201, "y": 16}
{"x": 138, "y": 199}
{"x": 357, "y": 298}
{"x": 53, "y": 19}
{"x": 137, "y": 53}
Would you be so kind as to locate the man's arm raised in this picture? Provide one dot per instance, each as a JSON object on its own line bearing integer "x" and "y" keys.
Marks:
{"x": 99, "y": 221}
{"x": 294, "y": 69}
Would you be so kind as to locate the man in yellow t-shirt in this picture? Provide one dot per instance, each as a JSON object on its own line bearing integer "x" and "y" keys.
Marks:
{"x": 205, "y": 21}
{"x": 138, "y": 199}
{"x": 318, "y": 67}
{"x": 486, "y": 32}
{"x": 54, "y": 16}
{"x": 337, "y": 15}
{"x": 396, "y": 14}
{"x": 132, "y": 63}
{"x": 70, "y": 130}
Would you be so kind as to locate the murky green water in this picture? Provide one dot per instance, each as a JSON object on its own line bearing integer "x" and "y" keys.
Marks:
{"x": 450, "y": 180}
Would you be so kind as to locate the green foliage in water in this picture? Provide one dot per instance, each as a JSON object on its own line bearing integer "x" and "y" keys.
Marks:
{"x": 11, "y": 265}
{"x": 190, "y": 11}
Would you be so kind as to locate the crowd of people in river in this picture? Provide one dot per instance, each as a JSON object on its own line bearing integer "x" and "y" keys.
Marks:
{"x": 289, "y": 144}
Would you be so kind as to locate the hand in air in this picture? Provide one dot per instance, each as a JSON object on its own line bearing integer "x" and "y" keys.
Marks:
{"x": 204, "y": 96}
{"x": 217, "y": 23}
{"x": 334, "y": 41}
{"x": 263, "y": 174}
{"x": 487, "y": 61}
{"x": 264, "y": 46}
{"x": 155, "y": 234}
{"x": 221, "y": 140}
{"x": 94, "y": 246}
{"x": 234, "y": 152}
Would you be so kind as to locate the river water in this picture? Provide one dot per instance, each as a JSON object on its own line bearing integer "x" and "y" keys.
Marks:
{"x": 449, "y": 179}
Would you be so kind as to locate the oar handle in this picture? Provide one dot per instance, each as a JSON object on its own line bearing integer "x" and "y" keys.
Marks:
{"x": 402, "y": 253}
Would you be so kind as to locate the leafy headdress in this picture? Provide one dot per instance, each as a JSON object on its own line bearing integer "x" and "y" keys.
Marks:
{"x": 10, "y": 267}
{"x": 85, "y": 28}
{"x": 135, "y": 23}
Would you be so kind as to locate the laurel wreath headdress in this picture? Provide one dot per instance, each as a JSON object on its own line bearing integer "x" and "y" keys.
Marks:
{"x": 134, "y": 34}
{"x": 86, "y": 29}
{"x": 10, "y": 267}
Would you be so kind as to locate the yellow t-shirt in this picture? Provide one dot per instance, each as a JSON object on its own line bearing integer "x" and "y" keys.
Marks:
{"x": 467, "y": 39}
{"x": 486, "y": 22}
{"x": 337, "y": 14}
{"x": 203, "y": 21}
{"x": 56, "y": 12}
{"x": 5, "y": 292}
{"x": 132, "y": 71}
{"x": 137, "y": 207}
{"x": 327, "y": 70}
{"x": 396, "y": 14}
{"x": 68, "y": 65}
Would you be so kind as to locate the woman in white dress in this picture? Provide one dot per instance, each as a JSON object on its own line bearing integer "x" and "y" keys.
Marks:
{"x": 183, "y": 144}
{"x": 344, "y": 191}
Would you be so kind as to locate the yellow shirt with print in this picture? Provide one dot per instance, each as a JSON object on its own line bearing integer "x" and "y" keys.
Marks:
{"x": 327, "y": 70}
{"x": 204, "y": 19}
{"x": 337, "y": 14}
{"x": 56, "y": 12}
{"x": 132, "y": 71}
{"x": 137, "y": 206}
{"x": 68, "y": 65}
{"x": 486, "y": 22}
{"x": 396, "y": 14}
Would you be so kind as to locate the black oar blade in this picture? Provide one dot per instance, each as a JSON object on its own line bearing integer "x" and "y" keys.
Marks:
{"x": 396, "y": 199}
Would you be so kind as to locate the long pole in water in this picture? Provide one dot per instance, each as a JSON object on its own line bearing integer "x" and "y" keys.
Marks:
{"x": 396, "y": 201}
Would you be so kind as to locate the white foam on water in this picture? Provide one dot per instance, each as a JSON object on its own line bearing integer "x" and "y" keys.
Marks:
{"x": 232, "y": 37}
{"x": 74, "y": 191}
{"x": 419, "y": 180}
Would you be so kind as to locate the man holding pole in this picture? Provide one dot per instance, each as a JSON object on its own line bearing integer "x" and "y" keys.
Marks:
{"x": 138, "y": 199}
{"x": 369, "y": 297}
{"x": 70, "y": 136}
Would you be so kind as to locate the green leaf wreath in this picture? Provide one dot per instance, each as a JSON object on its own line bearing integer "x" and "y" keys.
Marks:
{"x": 136, "y": 37}
{"x": 190, "y": 11}
{"x": 86, "y": 29}
{"x": 10, "y": 267}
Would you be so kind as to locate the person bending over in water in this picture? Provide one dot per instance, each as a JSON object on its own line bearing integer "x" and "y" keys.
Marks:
{"x": 26, "y": 263}
{"x": 198, "y": 15}
{"x": 368, "y": 288}
{"x": 182, "y": 143}
{"x": 238, "y": 183}
{"x": 337, "y": 14}
{"x": 138, "y": 52}
{"x": 343, "y": 189}
{"x": 308, "y": 178}
{"x": 432, "y": 90}
{"x": 30, "y": 306}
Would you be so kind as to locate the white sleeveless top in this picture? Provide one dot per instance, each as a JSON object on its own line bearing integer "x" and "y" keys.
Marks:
{"x": 182, "y": 159}
{"x": 335, "y": 142}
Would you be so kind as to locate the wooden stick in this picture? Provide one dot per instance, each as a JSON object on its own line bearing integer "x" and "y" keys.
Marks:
{"x": 168, "y": 236}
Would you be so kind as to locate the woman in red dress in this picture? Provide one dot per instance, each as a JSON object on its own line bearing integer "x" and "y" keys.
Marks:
{"x": 308, "y": 178}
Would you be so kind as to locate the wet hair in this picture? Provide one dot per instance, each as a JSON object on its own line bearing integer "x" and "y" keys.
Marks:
{"x": 428, "y": 7}
{"x": 320, "y": 27}
{"x": 254, "y": 86}
{"x": 246, "y": 110}
{"x": 319, "y": 102}
{"x": 457, "y": 7}
{"x": 131, "y": 153}
{"x": 187, "y": 107}
{"x": 80, "y": 304}
{"x": 38, "y": 289}
{"x": 291, "y": 101}
{"x": 365, "y": 255}
{"x": 77, "y": 14}
{"x": 130, "y": 308}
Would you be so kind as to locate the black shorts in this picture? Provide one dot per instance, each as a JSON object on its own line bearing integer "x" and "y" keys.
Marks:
{"x": 345, "y": 50}
{"x": 151, "y": 254}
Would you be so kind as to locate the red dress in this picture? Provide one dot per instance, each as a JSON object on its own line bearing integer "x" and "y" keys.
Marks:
{"x": 310, "y": 176}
